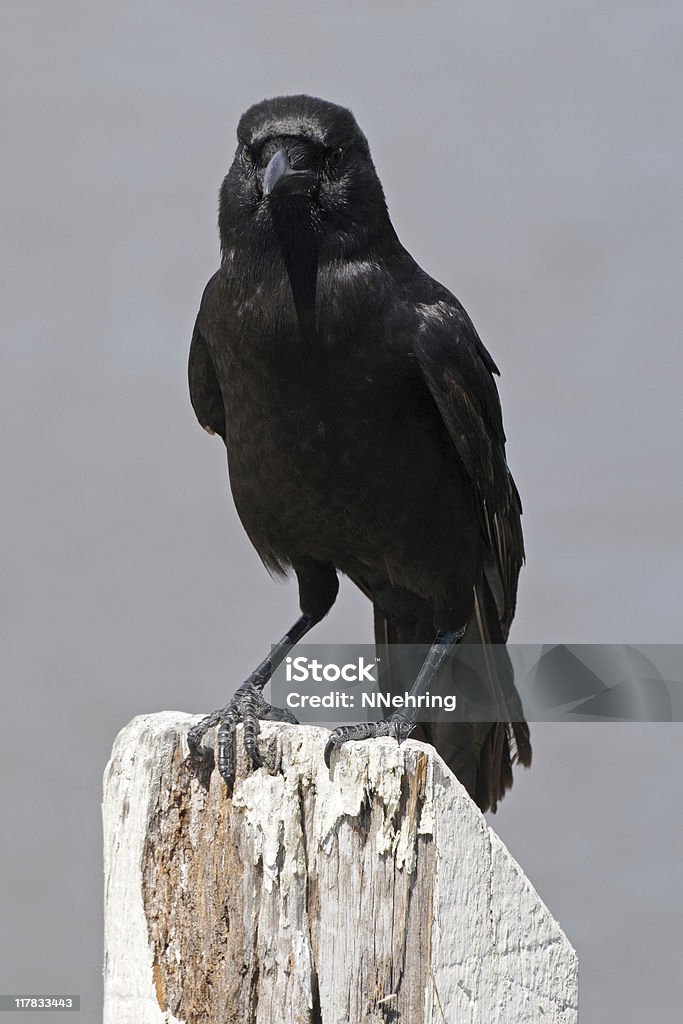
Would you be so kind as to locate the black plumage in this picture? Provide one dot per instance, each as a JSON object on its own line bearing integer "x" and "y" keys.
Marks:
{"x": 360, "y": 414}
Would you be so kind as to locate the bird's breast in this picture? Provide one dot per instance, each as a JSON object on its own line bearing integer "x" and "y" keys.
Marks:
{"x": 334, "y": 454}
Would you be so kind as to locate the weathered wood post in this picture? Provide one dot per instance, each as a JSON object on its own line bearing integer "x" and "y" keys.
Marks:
{"x": 372, "y": 894}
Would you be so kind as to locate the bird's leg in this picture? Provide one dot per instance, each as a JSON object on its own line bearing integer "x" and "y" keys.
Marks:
{"x": 249, "y": 706}
{"x": 400, "y": 724}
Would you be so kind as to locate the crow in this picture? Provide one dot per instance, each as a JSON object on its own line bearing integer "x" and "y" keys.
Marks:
{"x": 363, "y": 430}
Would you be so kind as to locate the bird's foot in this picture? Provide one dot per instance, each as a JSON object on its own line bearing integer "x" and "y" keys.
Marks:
{"x": 249, "y": 707}
{"x": 397, "y": 725}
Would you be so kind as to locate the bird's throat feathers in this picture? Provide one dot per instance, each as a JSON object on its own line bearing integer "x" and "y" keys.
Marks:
{"x": 308, "y": 272}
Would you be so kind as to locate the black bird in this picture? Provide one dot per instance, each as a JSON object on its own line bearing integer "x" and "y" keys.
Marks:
{"x": 363, "y": 428}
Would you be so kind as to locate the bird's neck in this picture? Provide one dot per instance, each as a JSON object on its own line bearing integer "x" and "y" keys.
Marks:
{"x": 301, "y": 267}
{"x": 297, "y": 241}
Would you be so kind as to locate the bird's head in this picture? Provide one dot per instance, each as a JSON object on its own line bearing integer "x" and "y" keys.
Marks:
{"x": 305, "y": 163}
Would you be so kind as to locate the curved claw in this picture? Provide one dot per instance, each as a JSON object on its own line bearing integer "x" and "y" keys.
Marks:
{"x": 397, "y": 725}
{"x": 251, "y": 731}
{"x": 279, "y": 715}
{"x": 247, "y": 706}
{"x": 198, "y": 731}
{"x": 362, "y": 731}
{"x": 225, "y": 753}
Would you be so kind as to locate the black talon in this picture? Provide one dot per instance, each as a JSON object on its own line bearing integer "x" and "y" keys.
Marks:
{"x": 363, "y": 731}
{"x": 401, "y": 723}
{"x": 249, "y": 707}
{"x": 248, "y": 704}
{"x": 197, "y": 733}
{"x": 226, "y": 758}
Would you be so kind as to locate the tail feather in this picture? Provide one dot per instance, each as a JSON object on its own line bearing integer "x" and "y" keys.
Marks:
{"x": 480, "y": 753}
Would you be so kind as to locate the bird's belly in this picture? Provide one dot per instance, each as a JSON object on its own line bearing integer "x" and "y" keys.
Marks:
{"x": 370, "y": 493}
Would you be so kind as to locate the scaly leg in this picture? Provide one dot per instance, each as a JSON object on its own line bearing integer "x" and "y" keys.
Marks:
{"x": 248, "y": 706}
{"x": 318, "y": 586}
{"x": 400, "y": 724}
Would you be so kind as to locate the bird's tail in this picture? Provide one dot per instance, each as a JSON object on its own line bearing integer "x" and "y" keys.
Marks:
{"x": 480, "y": 753}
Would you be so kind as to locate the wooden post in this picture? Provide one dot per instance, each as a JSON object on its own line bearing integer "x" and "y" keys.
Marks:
{"x": 371, "y": 894}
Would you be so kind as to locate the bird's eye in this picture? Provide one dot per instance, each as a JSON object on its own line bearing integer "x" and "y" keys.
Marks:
{"x": 335, "y": 157}
{"x": 248, "y": 154}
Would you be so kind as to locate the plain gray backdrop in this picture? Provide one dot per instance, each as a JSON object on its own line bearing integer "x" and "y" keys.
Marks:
{"x": 531, "y": 157}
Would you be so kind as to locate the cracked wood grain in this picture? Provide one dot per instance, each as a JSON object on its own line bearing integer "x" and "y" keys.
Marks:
{"x": 372, "y": 893}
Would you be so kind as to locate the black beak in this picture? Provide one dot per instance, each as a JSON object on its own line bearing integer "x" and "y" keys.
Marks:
{"x": 280, "y": 180}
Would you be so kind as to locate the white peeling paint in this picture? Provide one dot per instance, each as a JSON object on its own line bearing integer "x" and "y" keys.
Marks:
{"x": 129, "y": 779}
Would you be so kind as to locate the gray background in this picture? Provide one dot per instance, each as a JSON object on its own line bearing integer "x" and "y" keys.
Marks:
{"x": 531, "y": 156}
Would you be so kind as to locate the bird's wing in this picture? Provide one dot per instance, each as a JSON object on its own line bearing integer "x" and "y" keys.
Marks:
{"x": 459, "y": 373}
{"x": 205, "y": 392}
